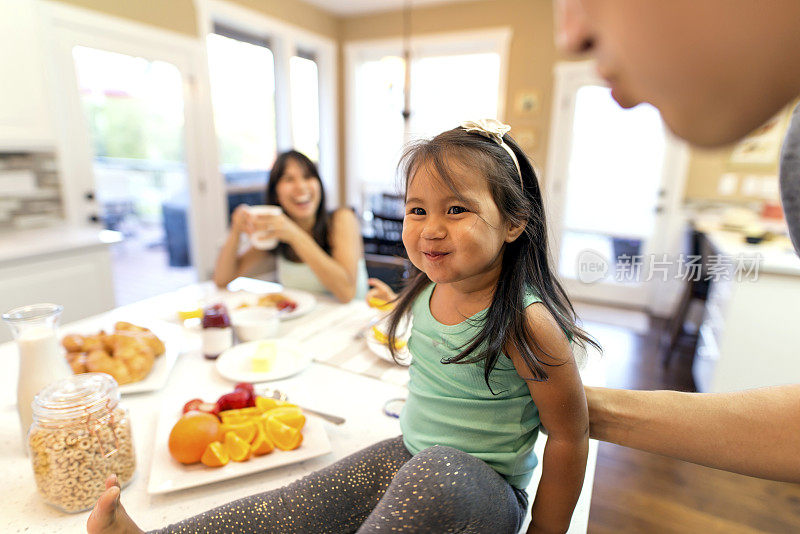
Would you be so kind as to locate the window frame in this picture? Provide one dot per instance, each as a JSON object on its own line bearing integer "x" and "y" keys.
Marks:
{"x": 493, "y": 40}
{"x": 286, "y": 40}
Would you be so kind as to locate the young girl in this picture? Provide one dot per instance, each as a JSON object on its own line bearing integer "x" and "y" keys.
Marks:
{"x": 491, "y": 363}
{"x": 317, "y": 251}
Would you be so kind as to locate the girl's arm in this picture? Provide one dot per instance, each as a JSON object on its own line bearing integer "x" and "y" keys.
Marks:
{"x": 337, "y": 271}
{"x": 752, "y": 432}
{"x": 229, "y": 263}
{"x": 562, "y": 410}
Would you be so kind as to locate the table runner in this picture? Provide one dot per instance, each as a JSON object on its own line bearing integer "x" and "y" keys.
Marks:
{"x": 331, "y": 338}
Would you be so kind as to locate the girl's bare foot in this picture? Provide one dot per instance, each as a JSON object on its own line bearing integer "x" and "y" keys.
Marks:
{"x": 109, "y": 515}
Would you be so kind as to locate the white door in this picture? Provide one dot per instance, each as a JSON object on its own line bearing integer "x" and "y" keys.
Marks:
{"x": 613, "y": 181}
{"x": 135, "y": 88}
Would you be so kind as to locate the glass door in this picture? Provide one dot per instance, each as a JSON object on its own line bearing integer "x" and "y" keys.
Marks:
{"x": 133, "y": 108}
{"x": 609, "y": 181}
{"x": 242, "y": 77}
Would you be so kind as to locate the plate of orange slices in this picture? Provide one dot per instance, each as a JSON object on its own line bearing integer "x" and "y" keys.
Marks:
{"x": 378, "y": 341}
{"x": 200, "y": 448}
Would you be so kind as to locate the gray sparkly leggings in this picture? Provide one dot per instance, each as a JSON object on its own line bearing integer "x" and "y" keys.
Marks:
{"x": 382, "y": 488}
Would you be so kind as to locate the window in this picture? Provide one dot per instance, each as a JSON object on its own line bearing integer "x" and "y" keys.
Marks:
{"x": 290, "y": 82}
{"x": 242, "y": 71}
{"x": 304, "y": 87}
{"x": 453, "y": 78}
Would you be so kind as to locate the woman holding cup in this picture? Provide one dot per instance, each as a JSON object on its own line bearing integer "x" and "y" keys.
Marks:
{"x": 314, "y": 250}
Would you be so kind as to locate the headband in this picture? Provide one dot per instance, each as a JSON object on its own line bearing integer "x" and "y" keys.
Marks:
{"x": 495, "y": 130}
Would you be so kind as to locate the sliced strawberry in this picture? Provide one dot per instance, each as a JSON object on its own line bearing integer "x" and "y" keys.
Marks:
{"x": 286, "y": 305}
{"x": 192, "y": 405}
{"x": 198, "y": 405}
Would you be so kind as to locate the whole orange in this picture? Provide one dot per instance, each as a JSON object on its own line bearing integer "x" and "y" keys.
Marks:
{"x": 191, "y": 435}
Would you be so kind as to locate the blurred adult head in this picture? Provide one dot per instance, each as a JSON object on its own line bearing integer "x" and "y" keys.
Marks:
{"x": 716, "y": 69}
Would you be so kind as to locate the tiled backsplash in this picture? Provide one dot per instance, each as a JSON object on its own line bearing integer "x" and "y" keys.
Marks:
{"x": 30, "y": 194}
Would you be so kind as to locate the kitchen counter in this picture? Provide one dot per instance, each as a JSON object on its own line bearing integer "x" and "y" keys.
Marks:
{"x": 748, "y": 335}
{"x": 324, "y": 386}
{"x": 67, "y": 265}
{"x": 777, "y": 256}
{"x": 26, "y": 244}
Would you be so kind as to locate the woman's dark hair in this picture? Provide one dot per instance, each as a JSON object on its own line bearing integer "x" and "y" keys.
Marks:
{"x": 321, "y": 218}
{"x": 525, "y": 265}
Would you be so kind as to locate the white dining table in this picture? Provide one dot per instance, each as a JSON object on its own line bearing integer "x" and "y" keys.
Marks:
{"x": 341, "y": 390}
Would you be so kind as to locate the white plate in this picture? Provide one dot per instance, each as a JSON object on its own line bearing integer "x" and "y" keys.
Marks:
{"x": 168, "y": 475}
{"x": 162, "y": 366}
{"x": 382, "y": 351}
{"x": 235, "y": 363}
{"x": 305, "y": 301}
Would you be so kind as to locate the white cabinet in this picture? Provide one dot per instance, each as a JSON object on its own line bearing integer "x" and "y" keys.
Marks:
{"x": 64, "y": 266}
{"x": 25, "y": 107}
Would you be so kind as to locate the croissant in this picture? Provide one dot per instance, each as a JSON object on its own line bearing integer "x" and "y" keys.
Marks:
{"x": 127, "y": 354}
{"x": 144, "y": 333}
{"x": 99, "y": 361}
{"x": 77, "y": 361}
{"x": 73, "y": 343}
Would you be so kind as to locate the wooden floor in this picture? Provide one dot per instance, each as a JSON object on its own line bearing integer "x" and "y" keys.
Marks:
{"x": 638, "y": 492}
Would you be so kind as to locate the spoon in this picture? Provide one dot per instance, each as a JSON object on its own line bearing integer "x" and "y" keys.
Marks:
{"x": 281, "y": 396}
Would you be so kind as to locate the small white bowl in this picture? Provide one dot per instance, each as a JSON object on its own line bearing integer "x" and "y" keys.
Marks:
{"x": 256, "y": 322}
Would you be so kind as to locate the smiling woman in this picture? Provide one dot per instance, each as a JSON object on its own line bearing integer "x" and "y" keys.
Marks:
{"x": 316, "y": 251}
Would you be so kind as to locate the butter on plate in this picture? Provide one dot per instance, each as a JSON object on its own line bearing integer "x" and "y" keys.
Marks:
{"x": 264, "y": 357}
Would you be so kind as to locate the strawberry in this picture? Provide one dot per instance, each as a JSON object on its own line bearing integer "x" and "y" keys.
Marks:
{"x": 251, "y": 395}
{"x": 244, "y": 385}
{"x": 286, "y": 305}
{"x": 234, "y": 401}
{"x": 198, "y": 405}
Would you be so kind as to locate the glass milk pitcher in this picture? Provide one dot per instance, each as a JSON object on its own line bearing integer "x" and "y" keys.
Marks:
{"x": 40, "y": 362}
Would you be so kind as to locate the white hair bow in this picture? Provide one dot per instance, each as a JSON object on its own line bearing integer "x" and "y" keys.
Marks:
{"x": 495, "y": 130}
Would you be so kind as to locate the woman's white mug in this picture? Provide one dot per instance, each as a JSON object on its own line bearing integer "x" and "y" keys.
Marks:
{"x": 259, "y": 238}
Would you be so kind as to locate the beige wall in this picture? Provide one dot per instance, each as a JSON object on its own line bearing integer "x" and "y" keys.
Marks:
{"x": 181, "y": 16}
{"x": 531, "y": 54}
{"x": 531, "y": 58}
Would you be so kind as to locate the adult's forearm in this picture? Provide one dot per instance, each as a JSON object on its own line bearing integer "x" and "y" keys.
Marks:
{"x": 331, "y": 273}
{"x": 227, "y": 260}
{"x": 563, "y": 471}
{"x": 754, "y": 432}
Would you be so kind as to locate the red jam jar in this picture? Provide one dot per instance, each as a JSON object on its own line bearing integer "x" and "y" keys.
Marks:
{"x": 217, "y": 331}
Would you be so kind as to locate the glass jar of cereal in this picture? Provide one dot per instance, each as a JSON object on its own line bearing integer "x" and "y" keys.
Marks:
{"x": 80, "y": 435}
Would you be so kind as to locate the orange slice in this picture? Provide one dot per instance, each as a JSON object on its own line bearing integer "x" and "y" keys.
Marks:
{"x": 284, "y": 436}
{"x": 264, "y": 404}
{"x": 245, "y": 430}
{"x": 237, "y": 448}
{"x": 382, "y": 305}
{"x": 289, "y": 415}
{"x": 215, "y": 455}
{"x": 262, "y": 444}
{"x": 240, "y": 415}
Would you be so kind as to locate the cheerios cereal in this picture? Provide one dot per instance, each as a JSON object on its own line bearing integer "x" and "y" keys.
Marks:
{"x": 80, "y": 436}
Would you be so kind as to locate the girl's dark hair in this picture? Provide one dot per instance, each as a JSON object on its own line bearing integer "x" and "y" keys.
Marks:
{"x": 525, "y": 265}
{"x": 322, "y": 218}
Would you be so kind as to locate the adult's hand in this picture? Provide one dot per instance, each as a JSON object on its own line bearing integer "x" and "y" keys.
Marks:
{"x": 240, "y": 220}
{"x": 278, "y": 226}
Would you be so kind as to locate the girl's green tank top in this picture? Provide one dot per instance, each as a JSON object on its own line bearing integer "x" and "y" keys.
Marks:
{"x": 450, "y": 404}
